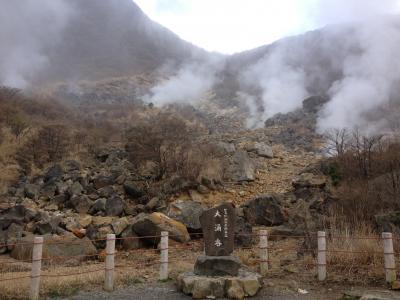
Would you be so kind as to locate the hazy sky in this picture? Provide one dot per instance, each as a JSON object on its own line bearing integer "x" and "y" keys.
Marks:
{"x": 230, "y": 26}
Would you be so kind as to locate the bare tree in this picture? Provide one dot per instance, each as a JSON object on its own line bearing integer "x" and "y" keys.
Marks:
{"x": 337, "y": 141}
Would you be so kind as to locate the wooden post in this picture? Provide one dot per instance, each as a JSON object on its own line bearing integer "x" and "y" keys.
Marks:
{"x": 36, "y": 267}
{"x": 321, "y": 255}
{"x": 390, "y": 265}
{"x": 263, "y": 252}
{"x": 164, "y": 256}
{"x": 109, "y": 272}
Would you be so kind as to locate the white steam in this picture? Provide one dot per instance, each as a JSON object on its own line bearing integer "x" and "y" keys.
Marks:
{"x": 282, "y": 86}
{"x": 364, "y": 53}
{"x": 368, "y": 78}
{"x": 188, "y": 85}
{"x": 27, "y": 28}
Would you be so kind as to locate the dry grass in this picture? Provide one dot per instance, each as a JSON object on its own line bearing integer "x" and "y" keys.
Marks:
{"x": 285, "y": 264}
{"x": 131, "y": 268}
{"x": 355, "y": 253}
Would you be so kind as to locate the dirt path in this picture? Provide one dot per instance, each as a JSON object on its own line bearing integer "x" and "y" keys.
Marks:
{"x": 168, "y": 291}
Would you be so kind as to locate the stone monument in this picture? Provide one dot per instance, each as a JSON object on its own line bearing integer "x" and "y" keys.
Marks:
{"x": 218, "y": 273}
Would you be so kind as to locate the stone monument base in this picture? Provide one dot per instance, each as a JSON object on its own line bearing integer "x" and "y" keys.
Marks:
{"x": 217, "y": 266}
{"x": 246, "y": 284}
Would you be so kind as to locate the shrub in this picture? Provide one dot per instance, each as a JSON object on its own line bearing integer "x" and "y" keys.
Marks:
{"x": 366, "y": 171}
{"x": 50, "y": 144}
{"x": 170, "y": 141}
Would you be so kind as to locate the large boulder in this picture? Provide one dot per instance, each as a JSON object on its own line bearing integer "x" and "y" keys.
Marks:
{"x": 130, "y": 240}
{"x": 48, "y": 226}
{"x": 53, "y": 174}
{"x": 262, "y": 149}
{"x": 309, "y": 180}
{"x": 114, "y": 206}
{"x": 264, "y": 210}
{"x": 55, "y": 246}
{"x": 48, "y": 190}
{"x": 99, "y": 206}
{"x": 17, "y": 214}
{"x": 80, "y": 203}
{"x": 132, "y": 189}
{"x": 187, "y": 212}
{"x": 9, "y": 237}
{"x": 240, "y": 168}
{"x": 226, "y": 148}
{"x": 119, "y": 225}
{"x": 75, "y": 189}
{"x": 152, "y": 225}
{"x": 102, "y": 181}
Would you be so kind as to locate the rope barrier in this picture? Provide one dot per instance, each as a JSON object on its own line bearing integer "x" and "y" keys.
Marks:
{"x": 15, "y": 278}
{"x": 72, "y": 274}
{"x": 194, "y": 234}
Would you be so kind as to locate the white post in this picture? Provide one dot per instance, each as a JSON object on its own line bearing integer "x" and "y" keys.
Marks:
{"x": 390, "y": 266}
{"x": 164, "y": 256}
{"x": 263, "y": 252}
{"x": 321, "y": 255}
{"x": 36, "y": 267}
{"x": 109, "y": 272}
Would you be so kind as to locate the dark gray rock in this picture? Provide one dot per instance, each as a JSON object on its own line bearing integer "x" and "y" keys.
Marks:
{"x": 102, "y": 181}
{"x": 75, "y": 189}
{"x": 132, "y": 189}
{"x": 106, "y": 192}
{"x": 98, "y": 206}
{"x": 80, "y": 203}
{"x": 47, "y": 227}
{"x": 217, "y": 266}
{"x": 103, "y": 155}
{"x": 17, "y": 214}
{"x": 53, "y": 174}
{"x": 264, "y": 210}
{"x": 32, "y": 191}
{"x": 241, "y": 167}
{"x": 48, "y": 190}
{"x": 187, "y": 212}
{"x": 243, "y": 233}
{"x": 130, "y": 240}
{"x": 61, "y": 188}
{"x": 114, "y": 206}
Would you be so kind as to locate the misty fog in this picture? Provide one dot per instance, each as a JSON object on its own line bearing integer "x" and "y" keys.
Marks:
{"x": 353, "y": 61}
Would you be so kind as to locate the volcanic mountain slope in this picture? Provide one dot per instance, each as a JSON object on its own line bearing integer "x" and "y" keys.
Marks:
{"x": 113, "y": 38}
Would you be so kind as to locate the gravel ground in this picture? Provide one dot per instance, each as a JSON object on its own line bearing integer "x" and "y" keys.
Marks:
{"x": 168, "y": 291}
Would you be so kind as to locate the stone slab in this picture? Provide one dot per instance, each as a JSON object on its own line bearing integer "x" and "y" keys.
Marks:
{"x": 218, "y": 225}
{"x": 217, "y": 265}
{"x": 246, "y": 284}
